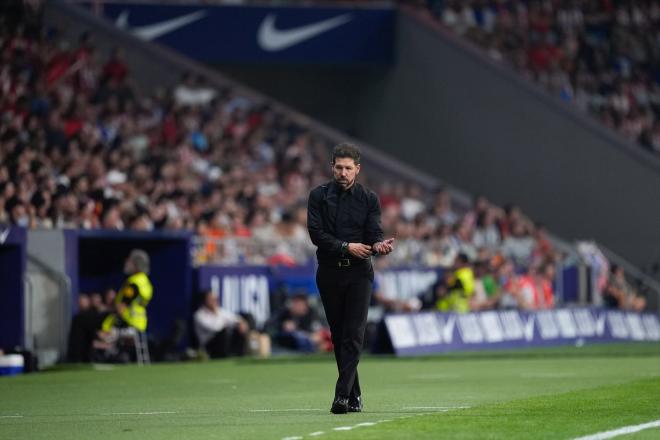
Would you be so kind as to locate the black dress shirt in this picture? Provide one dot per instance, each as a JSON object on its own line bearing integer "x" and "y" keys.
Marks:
{"x": 335, "y": 216}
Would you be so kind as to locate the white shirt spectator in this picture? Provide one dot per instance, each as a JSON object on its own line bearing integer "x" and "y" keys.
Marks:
{"x": 193, "y": 96}
{"x": 209, "y": 322}
{"x": 488, "y": 237}
{"x": 518, "y": 248}
{"x": 410, "y": 207}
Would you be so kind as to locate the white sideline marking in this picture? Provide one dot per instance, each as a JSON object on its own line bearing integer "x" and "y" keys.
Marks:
{"x": 151, "y": 413}
{"x": 11, "y": 417}
{"x": 621, "y": 431}
{"x": 284, "y": 410}
{"x": 358, "y": 425}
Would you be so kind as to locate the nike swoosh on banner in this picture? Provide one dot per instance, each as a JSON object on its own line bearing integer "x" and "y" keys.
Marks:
{"x": 272, "y": 39}
{"x": 152, "y": 31}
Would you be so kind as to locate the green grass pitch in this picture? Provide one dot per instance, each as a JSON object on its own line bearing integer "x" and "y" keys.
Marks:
{"x": 556, "y": 393}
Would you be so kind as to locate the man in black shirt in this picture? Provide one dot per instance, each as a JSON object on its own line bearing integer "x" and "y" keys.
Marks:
{"x": 343, "y": 219}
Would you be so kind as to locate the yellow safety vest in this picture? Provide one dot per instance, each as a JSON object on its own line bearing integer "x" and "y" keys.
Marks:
{"x": 461, "y": 288}
{"x": 136, "y": 292}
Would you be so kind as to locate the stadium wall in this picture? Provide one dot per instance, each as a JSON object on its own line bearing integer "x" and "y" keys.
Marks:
{"x": 48, "y": 299}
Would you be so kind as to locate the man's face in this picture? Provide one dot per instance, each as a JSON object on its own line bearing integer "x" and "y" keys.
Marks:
{"x": 299, "y": 307}
{"x": 345, "y": 170}
{"x": 211, "y": 301}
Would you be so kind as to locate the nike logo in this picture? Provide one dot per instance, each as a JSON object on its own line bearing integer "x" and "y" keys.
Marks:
{"x": 272, "y": 39}
{"x": 152, "y": 31}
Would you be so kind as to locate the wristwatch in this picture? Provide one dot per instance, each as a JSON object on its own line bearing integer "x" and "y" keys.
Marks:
{"x": 344, "y": 248}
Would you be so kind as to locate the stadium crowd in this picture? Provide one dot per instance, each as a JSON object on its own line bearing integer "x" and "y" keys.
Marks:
{"x": 83, "y": 147}
{"x": 603, "y": 56}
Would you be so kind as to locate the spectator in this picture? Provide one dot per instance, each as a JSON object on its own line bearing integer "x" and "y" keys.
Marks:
{"x": 457, "y": 288}
{"x": 619, "y": 294}
{"x": 486, "y": 289}
{"x": 299, "y": 327}
{"x": 220, "y": 332}
{"x": 543, "y": 249}
{"x": 192, "y": 91}
{"x": 443, "y": 209}
{"x": 411, "y": 203}
{"x": 486, "y": 233}
{"x": 509, "y": 282}
{"x": 519, "y": 245}
{"x": 18, "y": 214}
{"x": 291, "y": 242}
{"x": 601, "y": 56}
{"x": 536, "y": 291}
{"x": 116, "y": 70}
{"x": 83, "y": 331}
{"x": 394, "y": 301}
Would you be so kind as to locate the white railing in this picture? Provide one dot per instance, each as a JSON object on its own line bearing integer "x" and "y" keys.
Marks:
{"x": 250, "y": 250}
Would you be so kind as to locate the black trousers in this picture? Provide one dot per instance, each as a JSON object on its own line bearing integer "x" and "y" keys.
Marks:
{"x": 228, "y": 342}
{"x": 345, "y": 293}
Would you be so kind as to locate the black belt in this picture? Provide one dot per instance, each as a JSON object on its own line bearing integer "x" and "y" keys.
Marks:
{"x": 343, "y": 262}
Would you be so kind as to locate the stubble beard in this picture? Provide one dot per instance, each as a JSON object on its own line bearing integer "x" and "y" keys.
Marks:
{"x": 345, "y": 184}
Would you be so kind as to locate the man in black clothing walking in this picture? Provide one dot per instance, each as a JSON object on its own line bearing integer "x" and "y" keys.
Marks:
{"x": 343, "y": 219}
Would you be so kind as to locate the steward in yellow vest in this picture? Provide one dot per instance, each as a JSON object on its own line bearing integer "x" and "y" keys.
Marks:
{"x": 460, "y": 286}
{"x": 134, "y": 296}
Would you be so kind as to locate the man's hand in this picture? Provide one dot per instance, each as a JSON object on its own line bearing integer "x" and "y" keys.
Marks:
{"x": 384, "y": 247}
{"x": 359, "y": 250}
{"x": 289, "y": 326}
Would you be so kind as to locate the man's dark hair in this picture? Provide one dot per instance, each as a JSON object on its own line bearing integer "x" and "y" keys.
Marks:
{"x": 346, "y": 150}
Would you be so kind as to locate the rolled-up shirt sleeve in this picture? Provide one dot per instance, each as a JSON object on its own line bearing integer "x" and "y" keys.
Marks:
{"x": 322, "y": 239}
{"x": 373, "y": 231}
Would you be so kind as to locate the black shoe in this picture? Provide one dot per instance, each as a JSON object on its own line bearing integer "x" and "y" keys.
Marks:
{"x": 339, "y": 406}
{"x": 355, "y": 404}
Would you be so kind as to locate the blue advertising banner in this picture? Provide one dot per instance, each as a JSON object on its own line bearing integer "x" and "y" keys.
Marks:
{"x": 406, "y": 282}
{"x": 13, "y": 242}
{"x": 434, "y": 332}
{"x": 248, "y": 288}
{"x": 241, "y": 288}
{"x": 263, "y": 34}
